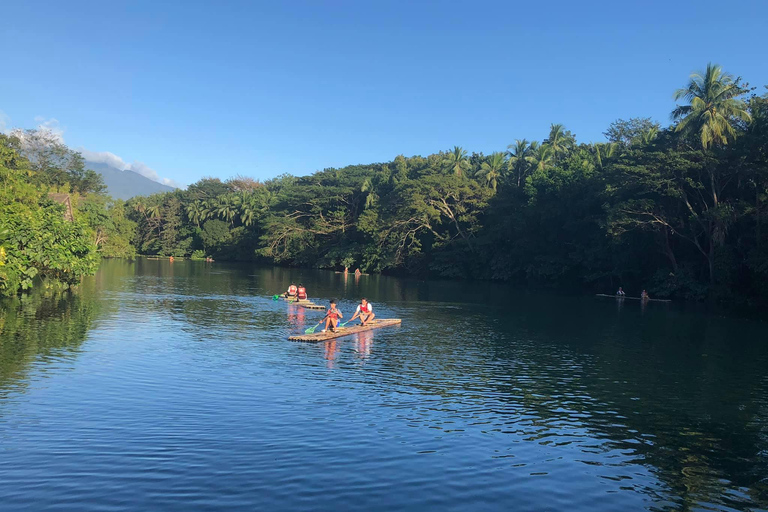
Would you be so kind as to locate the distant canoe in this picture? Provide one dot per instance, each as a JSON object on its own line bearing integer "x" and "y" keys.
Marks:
{"x": 630, "y": 298}
{"x": 346, "y": 331}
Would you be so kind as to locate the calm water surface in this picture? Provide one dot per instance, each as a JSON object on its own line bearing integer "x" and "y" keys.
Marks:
{"x": 173, "y": 387}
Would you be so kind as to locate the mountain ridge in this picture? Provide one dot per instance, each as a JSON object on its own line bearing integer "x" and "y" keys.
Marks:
{"x": 126, "y": 184}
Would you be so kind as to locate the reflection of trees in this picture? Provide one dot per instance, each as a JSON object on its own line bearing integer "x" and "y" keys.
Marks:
{"x": 666, "y": 391}
{"x": 40, "y": 324}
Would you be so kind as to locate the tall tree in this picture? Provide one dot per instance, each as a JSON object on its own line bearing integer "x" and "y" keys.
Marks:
{"x": 492, "y": 168}
{"x": 519, "y": 159}
{"x": 714, "y": 106}
{"x": 457, "y": 161}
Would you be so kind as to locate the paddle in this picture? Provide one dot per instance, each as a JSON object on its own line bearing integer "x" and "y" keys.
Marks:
{"x": 311, "y": 330}
{"x": 275, "y": 297}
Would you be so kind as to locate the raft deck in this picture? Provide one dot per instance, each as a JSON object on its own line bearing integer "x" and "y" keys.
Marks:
{"x": 346, "y": 331}
{"x": 306, "y": 303}
{"x": 630, "y": 298}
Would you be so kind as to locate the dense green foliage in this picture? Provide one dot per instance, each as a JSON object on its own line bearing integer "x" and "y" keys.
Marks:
{"x": 39, "y": 243}
{"x": 677, "y": 210}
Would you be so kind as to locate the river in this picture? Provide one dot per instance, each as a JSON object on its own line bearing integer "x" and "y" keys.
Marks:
{"x": 159, "y": 386}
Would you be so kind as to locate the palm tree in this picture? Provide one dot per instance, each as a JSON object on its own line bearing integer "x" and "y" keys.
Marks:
{"x": 227, "y": 209}
{"x": 560, "y": 140}
{"x": 604, "y": 151}
{"x": 457, "y": 160}
{"x": 195, "y": 212}
{"x": 647, "y": 136}
{"x": 491, "y": 169}
{"x": 713, "y": 108}
{"x": 542, "y": 156}
{"x": 519, "y": 159}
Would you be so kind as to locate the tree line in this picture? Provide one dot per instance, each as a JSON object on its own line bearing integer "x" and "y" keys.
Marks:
{"x": 678, "y": 210}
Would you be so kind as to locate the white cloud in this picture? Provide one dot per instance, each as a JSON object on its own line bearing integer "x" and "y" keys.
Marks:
{"x": 51, "y": 126}
{"x": 112, "y": 160}
{"x": 4, "y": 122}
{"x": 148, "y": 172}
{"x": 55, "y": 132}
{"x": 105, "y": 157}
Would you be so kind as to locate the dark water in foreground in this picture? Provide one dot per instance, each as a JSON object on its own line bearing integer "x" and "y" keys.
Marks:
{"x": 159, "y": 387}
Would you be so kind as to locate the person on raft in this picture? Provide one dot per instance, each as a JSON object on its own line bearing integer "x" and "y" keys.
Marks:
{"x": 332, "y": 317}
{"x": 301, "y": 293}
{"x": 364, "y": 311}
{"x": 358, "y": 273}
{"x": 620, "y": 293}
{"x": 645, "y": 295}
{"x": 292, "y": 291}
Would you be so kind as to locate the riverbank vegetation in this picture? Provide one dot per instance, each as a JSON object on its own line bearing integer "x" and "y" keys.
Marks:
{"x": 678, "y": 209}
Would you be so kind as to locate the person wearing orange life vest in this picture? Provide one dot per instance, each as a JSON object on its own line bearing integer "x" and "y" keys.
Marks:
{"x": 301, "y": 293}
{"x": 364, "y": 311}
{"x": 292, "y": 291}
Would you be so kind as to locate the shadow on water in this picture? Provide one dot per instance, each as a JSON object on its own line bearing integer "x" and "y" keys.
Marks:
{"x": 630, "y": 399}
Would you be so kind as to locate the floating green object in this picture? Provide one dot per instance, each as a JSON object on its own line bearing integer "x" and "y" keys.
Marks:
{"x": 312, "y": 329}
{"x": 275, "y": 297}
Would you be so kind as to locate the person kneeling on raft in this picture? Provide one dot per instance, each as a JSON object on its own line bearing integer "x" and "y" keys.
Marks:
{"x": 364, "y": 311}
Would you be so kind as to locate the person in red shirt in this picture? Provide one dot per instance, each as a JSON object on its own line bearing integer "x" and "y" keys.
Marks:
{"x": 332, "y": 317}
{"x": 364, "y": 311}
{"x": 301, "y": 293}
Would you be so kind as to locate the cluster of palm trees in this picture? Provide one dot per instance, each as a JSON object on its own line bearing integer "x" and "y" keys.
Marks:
{"x": 244, "y": 206}
{"x": 521, "y": 159}
{"x": 709, "y": 118}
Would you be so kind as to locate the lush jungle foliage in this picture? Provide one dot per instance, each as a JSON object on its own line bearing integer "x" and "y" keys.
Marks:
{"x": 676, "y": 210}
{"x": 38, "y": 243}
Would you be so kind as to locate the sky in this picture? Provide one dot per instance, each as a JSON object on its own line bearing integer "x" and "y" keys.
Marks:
{"x": 183, "y": 90}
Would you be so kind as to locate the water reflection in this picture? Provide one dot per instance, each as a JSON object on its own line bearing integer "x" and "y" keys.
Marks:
{"x": 537, "y": 402}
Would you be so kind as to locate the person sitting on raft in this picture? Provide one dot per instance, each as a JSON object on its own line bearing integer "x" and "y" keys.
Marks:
{"x": 301, "y": 293}
{"x": 358, "y": 273}
{"x": 332, "y": 317}
{"x": 620, "y": 293}
{"x": 292, "y": 291}
{"x": 645, "y": 295}
{"x": 364, "y": 311}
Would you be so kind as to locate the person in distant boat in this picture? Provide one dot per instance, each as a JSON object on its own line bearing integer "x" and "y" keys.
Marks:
{"x": 364, "y": 311}
{"x": 292, "y": 291}
{"x": 332, "y": 317}
{"x": 170, "y": 259}
{"x": 358, "y": 273}
{"x": 620, "y": 293}
{"x": 301, "y": 293}
{"x": 645, "y": 295}
{"x": 346, "y": 270}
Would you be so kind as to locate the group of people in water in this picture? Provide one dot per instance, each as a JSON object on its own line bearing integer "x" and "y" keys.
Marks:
{"x": 332, "y": 317}
{"x": 643, "y": 295}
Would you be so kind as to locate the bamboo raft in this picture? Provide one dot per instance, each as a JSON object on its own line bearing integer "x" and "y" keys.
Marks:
{"x": 630, "y": 298}
{"x": 305, "y": 303}
{"x": 346, "y": 331}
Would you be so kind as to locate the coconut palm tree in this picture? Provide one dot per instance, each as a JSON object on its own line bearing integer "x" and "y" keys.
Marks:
{"x": 647, "y": 136}
{"x": 227, "y": 209}
{"x": 195, "y": 212}
{"x": 604, "y": 151}
{"x": 492, "y": 168}
{"x": 457, "y": 160}
{"x": 713, "y": 107}
{"x": 518, "y": 162}
{"x": 560, "y": 140}
{"x": 542, "y": 156}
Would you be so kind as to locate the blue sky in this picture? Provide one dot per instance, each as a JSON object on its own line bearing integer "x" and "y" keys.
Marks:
{"x": 192, "y": 89}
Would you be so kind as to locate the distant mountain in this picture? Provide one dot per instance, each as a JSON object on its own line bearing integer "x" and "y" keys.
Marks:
{"x": 126, "y": 184}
